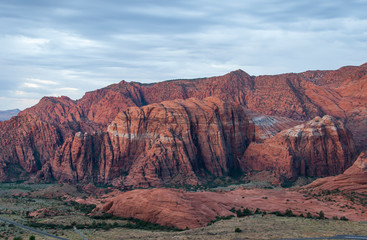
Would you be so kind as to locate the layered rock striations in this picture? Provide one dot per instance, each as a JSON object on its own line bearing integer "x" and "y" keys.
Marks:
{"x": 181, "y": 141}
{"x": 340, "y": 93}
{"x": 79, "y": 134}
{"x": 318, "y": 148}
{"x": 267, "y": 126}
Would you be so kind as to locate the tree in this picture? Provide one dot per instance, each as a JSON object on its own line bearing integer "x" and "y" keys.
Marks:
{"x": 321, "y": 215}
{"x": 237, "y": 230}
{"x": 32, "y": 238}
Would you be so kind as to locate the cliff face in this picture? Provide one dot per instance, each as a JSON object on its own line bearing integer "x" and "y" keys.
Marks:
{"x": 25, "y": 145}
{"x": 340, "y": 93}
{"x": 181, "y": 141}
{"x": 318, "y": 148}
{"x": 88, "y": 139}
{"x": 353, "y": 180}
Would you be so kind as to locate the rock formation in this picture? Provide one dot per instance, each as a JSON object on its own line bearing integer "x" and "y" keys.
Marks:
{"x": 353, "y": 180}
{"x": 267, "y": 126}
{"x": 180, "y": 141}
{"x": 182, "y": 209}
{"x": 318, "y": 148}
{"x": 26, "y": 144}
{"x": 74, "y": 140}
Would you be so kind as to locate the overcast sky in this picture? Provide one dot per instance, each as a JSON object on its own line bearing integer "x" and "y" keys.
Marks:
{"x": 68, "y": 47}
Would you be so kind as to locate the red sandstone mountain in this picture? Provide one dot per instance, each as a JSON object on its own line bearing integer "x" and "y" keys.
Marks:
{"x": 47, "y": 136}
{"x": 341, "y": 93}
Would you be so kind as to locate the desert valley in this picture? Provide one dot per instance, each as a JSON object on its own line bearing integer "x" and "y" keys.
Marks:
{"x": 226, "y": 157}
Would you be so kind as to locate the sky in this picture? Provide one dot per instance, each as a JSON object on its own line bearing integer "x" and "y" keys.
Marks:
{"x": 55, "y": 48}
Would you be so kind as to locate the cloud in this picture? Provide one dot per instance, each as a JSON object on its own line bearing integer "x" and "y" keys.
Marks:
{"x": 46, "y": 82}
{"x": 68, "y": 47}
{"x": 31, "y": 85}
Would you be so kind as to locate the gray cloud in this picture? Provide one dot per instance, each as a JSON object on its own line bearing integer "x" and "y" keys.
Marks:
{"x": 69, "y": 47}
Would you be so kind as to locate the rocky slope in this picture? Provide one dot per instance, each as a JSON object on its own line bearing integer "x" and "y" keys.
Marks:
{"x": 83, "y": 148}
{"x": 182, "y": 209}
{"x": 318, "y": 148}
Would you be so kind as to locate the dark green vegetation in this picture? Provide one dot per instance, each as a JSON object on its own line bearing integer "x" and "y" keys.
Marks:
{"x": 131, "y": 223}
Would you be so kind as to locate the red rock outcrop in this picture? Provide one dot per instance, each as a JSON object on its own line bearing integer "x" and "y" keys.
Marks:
{"x": 180, "y": 141}
{"x": 354, "y": 179}
{"x": 181, "y": 209}
{"x": 340, "y": 93}
{"x": 318, "y": 148}
{"x": 25, "y": 145}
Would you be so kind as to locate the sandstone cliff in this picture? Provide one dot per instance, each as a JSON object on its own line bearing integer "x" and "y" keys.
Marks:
{"x": 340, "y": 93}
{"x": 353, "y": 180}
{"x": 318, "y": 148}
{"x": 180, "y": 141}
{"x": 25, "y": 145}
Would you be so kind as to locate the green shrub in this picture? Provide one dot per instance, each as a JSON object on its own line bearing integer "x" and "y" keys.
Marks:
{"x": 343, "y": 218}
{"x": 32, "y": 238}
{"x": 277, "y": 213}
{"x": 247, "y": 212}
{"x": 289, "y": 213}
{"x": 321, "y": 215}
{"x": 237, "y": 230}
{"x": 84, "y": 208}
{"x": 239, "y": 213}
